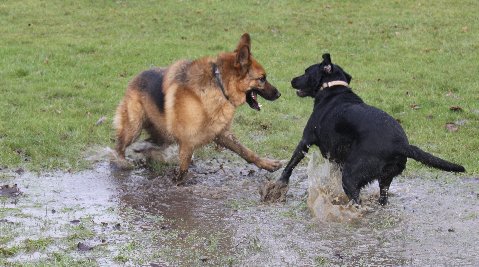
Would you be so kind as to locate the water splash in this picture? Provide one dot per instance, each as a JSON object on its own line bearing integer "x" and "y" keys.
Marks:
{"x": 165, "y": 153}
{"x": 326, "y": 198}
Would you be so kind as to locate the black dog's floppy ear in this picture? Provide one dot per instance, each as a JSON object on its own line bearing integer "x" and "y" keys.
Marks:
{"x": 327, "y": 58}
{"x": 328, "y": 67}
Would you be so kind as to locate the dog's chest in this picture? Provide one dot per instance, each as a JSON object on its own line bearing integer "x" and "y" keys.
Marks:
{"x": 220, "y": 117}
{"x": 217, "y": 120}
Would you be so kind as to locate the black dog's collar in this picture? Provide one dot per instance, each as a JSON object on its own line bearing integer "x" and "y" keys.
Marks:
{"x": 333, "y": 83}
{"x": 218, "y": 80}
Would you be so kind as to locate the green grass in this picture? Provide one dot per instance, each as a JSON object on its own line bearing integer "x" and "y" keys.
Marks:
{"x": 37, "y": 244}
{"x": 321, "y": 261}
{"x": 65, "y": 64}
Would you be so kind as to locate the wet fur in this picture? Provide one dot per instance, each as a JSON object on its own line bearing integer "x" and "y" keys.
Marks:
{"x": 365, "y": 141}
{"x": 184, "y": 104}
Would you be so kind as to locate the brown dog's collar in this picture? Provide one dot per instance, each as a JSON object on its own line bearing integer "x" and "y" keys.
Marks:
{"x": 219, "y": 82}
{"x": 333, "y": 83}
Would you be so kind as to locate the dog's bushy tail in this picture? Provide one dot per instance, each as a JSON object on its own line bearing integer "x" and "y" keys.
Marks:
{"x": 430, "y": 160}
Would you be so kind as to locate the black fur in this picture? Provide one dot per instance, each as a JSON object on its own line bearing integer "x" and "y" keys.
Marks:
{"x": 151, "y": 81}
{"x": 367, "y": 142}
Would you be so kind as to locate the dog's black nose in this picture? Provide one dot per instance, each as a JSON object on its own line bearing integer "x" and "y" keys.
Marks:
{"x": 294, "y": 82}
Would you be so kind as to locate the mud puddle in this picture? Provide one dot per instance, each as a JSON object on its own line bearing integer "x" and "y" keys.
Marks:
{"x": 138, "y": 218}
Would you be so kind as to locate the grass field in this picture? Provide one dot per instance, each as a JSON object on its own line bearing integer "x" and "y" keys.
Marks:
{"x": 65, "y": 64}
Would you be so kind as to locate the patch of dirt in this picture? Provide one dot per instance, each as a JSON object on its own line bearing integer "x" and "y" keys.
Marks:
{"x": 139, "y": 216}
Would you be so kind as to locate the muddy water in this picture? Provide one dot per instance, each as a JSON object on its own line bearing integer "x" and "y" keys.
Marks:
{"x": 138, "y": 218}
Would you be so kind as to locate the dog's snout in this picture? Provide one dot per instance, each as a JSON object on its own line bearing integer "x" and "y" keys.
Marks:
{"x": 269, "y": 92}
{"x": 299, "y": 82}
{"x": 278, "y": 94}
{"x": 294, "y": 82}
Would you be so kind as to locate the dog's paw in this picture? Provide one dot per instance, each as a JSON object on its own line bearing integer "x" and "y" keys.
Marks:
{"x": 180, "y": 179}
{"x": 356, "y": 203}
{"x": 269, "y": 164}
{"x": 273, "y": 192}
{"x": 383, "y": 200}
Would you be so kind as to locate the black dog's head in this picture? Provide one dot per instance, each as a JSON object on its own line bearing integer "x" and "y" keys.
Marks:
{"x": 316, "y": 75}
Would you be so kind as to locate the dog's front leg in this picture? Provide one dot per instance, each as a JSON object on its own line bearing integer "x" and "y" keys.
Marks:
{"x": 298, "y": 155}
{"x": 229, "y": 141}
{"x": 276, "y": 191}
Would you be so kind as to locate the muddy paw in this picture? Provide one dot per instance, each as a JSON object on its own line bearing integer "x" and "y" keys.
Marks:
{"x": 270, "y": 164}
{"x": 383, "y": 200}
{"x": 180, "y": 179}
{"x": 273, "y": 192}
{"x": 354, "y": 203}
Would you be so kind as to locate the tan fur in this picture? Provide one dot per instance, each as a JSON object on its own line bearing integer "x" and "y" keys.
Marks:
{"x": 196, "y": 111}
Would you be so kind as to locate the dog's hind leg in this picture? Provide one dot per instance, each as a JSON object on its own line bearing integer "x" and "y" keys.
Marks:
{"x": 129, "y": 120}
{"x": 384, "y": 183}
{"x": 389, "y": 172}
{"x": 350, "y": 185}
{"x": 358, "y": 172}
{"x": 186, "y": 152}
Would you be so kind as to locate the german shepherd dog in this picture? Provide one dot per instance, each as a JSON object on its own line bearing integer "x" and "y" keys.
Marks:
{"x": 192, "y": 103}
{"x": 366, "y": 142}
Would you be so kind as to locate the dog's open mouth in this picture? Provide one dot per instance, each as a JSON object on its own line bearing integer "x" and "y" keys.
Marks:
{"x": 252, "y": 99}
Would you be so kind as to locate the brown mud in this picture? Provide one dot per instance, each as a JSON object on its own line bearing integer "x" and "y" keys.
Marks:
{"x": 273, "y": 191}
{"x": 140, "y": 218}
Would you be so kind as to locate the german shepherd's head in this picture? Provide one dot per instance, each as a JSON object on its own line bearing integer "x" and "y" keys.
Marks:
{"x": 316, "y": 75}
{"x": 244, "y": 77}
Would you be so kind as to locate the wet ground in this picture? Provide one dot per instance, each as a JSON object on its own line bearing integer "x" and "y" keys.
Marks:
{"x": 139, "y": 218}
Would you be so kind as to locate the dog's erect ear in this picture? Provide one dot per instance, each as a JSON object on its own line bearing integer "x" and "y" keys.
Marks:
{"x": 243, "y": 57}
{"x": 328, "y": 66}
{"x": 243, "y": 52}
{"x": 244, "y": 41}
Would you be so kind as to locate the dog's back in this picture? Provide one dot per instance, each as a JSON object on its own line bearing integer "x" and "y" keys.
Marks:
{"x": 342, "y": 118}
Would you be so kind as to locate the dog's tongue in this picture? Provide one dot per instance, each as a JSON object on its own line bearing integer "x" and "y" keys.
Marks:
{"x": 252, "y": 100}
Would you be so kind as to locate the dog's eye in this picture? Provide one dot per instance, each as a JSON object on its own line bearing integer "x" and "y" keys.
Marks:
{"x": 262, "y": 79}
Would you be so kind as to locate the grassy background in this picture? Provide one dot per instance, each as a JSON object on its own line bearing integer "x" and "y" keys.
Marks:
{"x": 66, "y": 64}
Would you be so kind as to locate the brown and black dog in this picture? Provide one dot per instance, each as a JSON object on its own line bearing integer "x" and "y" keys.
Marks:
{"x": 192, "y": 103}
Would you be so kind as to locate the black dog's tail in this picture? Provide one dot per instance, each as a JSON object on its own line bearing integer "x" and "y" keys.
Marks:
{"x": 430, "y": 160}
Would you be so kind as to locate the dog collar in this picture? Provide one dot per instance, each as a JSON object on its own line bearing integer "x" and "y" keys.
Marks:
{"x": 333, "y": 83}
{"x": 219, "y": 81}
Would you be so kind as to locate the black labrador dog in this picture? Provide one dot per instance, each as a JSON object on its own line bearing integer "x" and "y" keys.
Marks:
{"x": 365, "y": 141}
